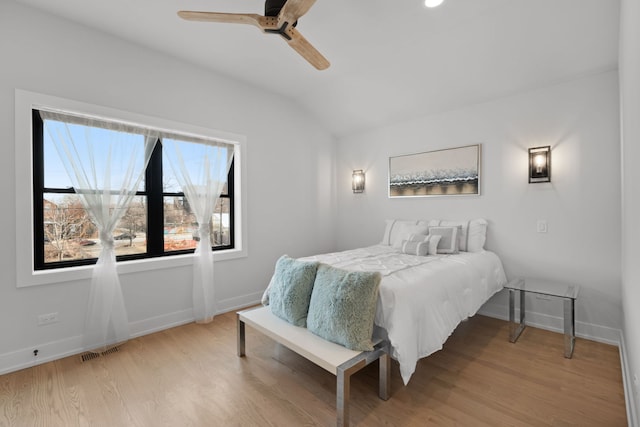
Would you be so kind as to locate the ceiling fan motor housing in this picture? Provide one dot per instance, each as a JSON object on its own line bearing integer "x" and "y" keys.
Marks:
{"x": 273, "y": 7}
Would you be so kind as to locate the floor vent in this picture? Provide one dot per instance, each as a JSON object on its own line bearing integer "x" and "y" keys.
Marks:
{"x": 110, "y": 351}
{"x": 91, "y": 355}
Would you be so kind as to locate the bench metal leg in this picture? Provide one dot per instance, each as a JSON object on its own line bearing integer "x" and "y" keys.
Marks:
{"x": 241, "y": 336}
{"x": 384, "y": 386}
{"x": 343, "y": 378}
{"x": 343, "y": 390}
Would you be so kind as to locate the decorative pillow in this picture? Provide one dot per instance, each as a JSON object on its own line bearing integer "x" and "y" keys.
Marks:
{"x": 404, "y": 231}
{"x": 391, "y": 230}
{"x": 477, "y": 235}
{"x": 433, "y": 241}
{"x": 463, "y": 232}
{"x": 421, "y": 245}
{"x": 415, "y": 248}
{"x": 448, "y": 239}
{"x": 290, "y": 289}
{"x": 343, "y": 306}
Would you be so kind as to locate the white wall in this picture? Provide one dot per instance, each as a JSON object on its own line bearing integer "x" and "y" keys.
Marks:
{"x": 290, "y": 174}
{"x": 580, "y": 120}
{"x": 630, "y": 113}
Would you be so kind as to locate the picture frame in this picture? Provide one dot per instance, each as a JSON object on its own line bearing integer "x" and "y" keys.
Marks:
{"x": 446, "y": 172}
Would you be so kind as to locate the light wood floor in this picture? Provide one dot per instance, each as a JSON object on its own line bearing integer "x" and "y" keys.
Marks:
{"x": 191, "y": 376}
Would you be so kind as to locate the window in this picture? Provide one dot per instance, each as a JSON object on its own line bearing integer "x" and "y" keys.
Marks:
{"x": 158, "y": 222}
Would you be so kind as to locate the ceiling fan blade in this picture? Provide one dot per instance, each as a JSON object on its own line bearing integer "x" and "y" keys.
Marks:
{"x": 306, "y": 49}
{"x": 232, "y": 18}
{"x": 294, "y": 9}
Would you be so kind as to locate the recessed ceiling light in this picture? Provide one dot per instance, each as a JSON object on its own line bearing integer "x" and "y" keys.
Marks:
{"x": 432, "y": 3}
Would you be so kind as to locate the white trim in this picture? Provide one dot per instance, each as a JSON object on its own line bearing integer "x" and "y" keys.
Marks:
{"x": 24, "y": 102}
{"x": 54, "y": 350}
{"x": 627, "y": 382}
{"x": 160, "y": 323}
{"x": 589, "y": 331}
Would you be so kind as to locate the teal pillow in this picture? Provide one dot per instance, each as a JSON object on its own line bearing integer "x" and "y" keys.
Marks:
{"x": 290, "y": 289}
{"x": 343, "y": 306}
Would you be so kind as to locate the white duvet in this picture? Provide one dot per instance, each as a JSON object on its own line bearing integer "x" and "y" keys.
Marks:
{"x": 423, "y": 299}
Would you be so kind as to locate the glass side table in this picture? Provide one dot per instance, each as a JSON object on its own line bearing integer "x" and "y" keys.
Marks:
{"x": 568, "y": 292}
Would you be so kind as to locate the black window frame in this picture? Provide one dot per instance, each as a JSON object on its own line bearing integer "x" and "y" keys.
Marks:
{"x": 154, "y": 192}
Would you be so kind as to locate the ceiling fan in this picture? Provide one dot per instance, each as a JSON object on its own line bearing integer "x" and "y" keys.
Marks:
{"x": 280, "y": 17}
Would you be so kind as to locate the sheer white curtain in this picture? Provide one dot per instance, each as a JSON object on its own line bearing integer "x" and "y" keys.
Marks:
{"x": 106, "y": 163}
{"x": 201, "y": 170}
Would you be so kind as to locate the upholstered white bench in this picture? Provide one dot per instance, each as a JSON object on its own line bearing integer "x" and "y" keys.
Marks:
{"x": 338, "y": 360}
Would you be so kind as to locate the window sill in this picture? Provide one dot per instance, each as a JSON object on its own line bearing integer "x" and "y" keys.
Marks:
{"x": 46, "y": 277}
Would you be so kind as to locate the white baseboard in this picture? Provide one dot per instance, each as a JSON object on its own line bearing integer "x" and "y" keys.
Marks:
{"x": 160, "y": 323}
{"x": 627, "y": 381}
{"x": 225, "y": 306}
{"x": 53, "y": 350}
{"x": 584, "y": 330}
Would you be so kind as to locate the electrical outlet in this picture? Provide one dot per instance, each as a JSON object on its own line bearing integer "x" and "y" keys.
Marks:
{"x": 542, "y": 226}
{"x": 46, "y": 319}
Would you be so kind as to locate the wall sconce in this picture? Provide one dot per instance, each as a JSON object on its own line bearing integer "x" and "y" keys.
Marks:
{"x": 357, "y": 181}
{"x": 540, "y": 164}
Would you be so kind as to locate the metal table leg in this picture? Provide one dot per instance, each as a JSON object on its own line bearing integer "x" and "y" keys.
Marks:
{"x": 515, "y": 329}
{"x": 240, "y": 343}
{"x": 569, "y": 327}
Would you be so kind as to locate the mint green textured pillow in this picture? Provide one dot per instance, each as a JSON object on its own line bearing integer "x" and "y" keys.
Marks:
{"x": 290, "y": 289}
{"x": 343, "y": 306}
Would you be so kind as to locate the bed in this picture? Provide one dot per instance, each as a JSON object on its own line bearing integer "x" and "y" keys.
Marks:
{"x": 434, "y": 274}
{"x": 422, "y": 299}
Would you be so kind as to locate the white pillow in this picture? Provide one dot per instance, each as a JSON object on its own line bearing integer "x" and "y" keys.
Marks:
{"x": 471, "y": 236}
{"x": 391, "y": 230}
{"x": 429, "y": 222}
{"x": 403, "y": 231}
{"x": 449, "y": 239}
{"x": 477, "y": 235}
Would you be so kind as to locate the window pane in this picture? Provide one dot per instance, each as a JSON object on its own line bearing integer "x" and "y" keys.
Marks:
{"x": 180, "y": 225}
{"x": 82, "y": 137}
{"x": 181, "y": 228}
{"x": 220, "y": 223}
{"x": 170, "y": 183}
{"x": 131, "y": 233}
{"x": 70, "y": 235}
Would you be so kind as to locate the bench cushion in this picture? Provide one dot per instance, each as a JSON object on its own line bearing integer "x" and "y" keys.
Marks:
{"x": 343, "y": 306}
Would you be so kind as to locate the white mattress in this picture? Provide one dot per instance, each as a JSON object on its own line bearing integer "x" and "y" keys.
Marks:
{"x": 423, "y": 299}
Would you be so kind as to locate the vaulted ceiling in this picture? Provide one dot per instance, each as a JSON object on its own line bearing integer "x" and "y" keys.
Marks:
{"x": 390, "y": 60}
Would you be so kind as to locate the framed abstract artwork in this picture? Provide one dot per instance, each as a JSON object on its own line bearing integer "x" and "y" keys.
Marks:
{"x": 447, "y": 172}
